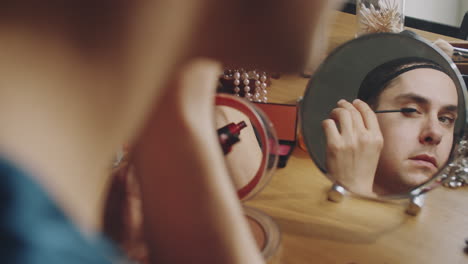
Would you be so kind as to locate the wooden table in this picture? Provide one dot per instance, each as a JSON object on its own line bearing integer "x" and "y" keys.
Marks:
{"x": 356, "y": 231}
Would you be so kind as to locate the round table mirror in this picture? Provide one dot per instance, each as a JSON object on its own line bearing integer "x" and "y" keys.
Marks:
{"x": 402, "y": 131}
{"x": 250, "y": 149}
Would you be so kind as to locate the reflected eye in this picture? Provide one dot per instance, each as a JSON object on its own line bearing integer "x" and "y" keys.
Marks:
{"x": 446, "y": 120}
{"x": 410, "y": 111}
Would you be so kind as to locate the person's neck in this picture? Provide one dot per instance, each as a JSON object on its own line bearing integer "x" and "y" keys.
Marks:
{"x": 54, "y": 122}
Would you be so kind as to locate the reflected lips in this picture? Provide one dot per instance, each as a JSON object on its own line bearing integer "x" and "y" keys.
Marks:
{"x": 426, "y": 158}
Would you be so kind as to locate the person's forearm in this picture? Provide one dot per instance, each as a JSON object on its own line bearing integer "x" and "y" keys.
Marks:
{"x": 196, "y": 217}
{"x": 191, "y": 211}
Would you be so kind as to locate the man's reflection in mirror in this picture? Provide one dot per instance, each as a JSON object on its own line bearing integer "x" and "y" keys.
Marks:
{"x": 402, "y": 149}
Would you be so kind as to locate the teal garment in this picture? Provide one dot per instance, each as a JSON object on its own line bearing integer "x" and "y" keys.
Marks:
{"x": 34, "y": 230}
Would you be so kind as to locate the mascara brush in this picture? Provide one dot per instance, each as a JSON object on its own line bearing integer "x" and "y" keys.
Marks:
{"x": 402, "y": 110}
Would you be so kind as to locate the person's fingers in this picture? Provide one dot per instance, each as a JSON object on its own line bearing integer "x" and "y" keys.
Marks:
{"x": 368, "y": 115}
{"x": 331, "y": 131}
{"x": 444, "y": 46}
{"x": 357, "y": 119}
{"x": 343, "y": 118}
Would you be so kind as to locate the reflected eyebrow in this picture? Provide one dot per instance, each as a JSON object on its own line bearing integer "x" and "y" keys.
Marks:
{"x": 424, "y": 101}
{"x": 412, "y": 97}
{"x": 450, "y": 108}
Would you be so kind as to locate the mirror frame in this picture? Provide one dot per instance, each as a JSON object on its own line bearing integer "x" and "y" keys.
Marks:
{"x": 267, "y": 136}
{"x": 318, "y": 102}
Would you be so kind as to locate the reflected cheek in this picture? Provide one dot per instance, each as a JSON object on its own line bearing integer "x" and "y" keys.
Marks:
{"x": 399, "y": 139}
{"x": 446, "y": 147}
{"x": 398, "y": 130}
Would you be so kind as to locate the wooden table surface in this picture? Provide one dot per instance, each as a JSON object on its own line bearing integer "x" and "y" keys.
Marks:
{"x": 356, "y": 231}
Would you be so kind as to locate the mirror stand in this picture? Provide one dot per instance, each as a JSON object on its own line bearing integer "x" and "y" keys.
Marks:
{"x": 416, "y": 204}
{"x": 417, "y": 63}
{"x": 338, "y": 192}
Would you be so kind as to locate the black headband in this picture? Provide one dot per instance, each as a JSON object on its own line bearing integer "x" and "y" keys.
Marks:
{"x": 378, "y": 79}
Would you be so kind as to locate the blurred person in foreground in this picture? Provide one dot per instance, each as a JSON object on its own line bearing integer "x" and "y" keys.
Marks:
{"x": 79, "y": 78}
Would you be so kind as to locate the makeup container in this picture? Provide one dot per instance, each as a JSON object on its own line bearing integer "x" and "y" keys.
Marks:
{"x": 251, "y": 163}
{"x": 284, "y": 119}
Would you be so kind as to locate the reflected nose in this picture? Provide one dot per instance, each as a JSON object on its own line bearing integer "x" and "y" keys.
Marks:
{"x": 431, "y": 132}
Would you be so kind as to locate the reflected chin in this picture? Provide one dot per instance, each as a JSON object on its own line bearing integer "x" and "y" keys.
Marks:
{"x": 416, "y": 178}
{"x": 423, "y": 165}
{"x": 402, "y": 180}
